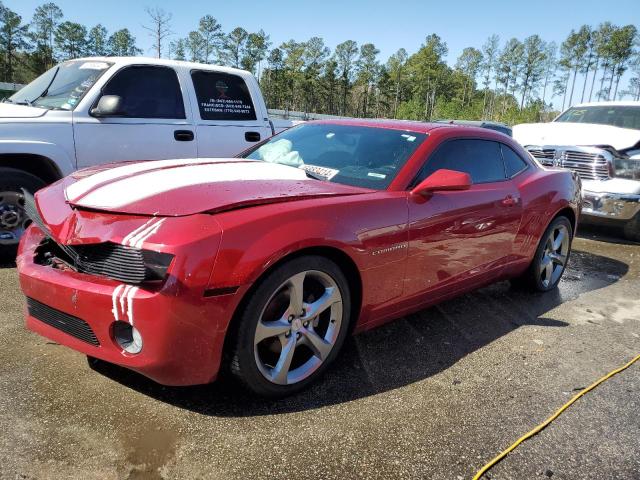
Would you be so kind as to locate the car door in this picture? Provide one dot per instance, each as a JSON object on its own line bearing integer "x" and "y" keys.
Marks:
{"x": 153, "y": 123}
{"x": 456, "y": 236}
{"x": 228, "y": 121}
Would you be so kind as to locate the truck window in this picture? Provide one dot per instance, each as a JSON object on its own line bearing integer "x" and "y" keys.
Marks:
{"x": 222, "y": 96}
{"x": 624, "y": 116}
{"x": 147, "y": 92}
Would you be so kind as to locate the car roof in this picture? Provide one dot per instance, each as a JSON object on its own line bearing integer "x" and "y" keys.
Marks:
{"x": 164, "y": 62}
{"x": 406, "y": 125}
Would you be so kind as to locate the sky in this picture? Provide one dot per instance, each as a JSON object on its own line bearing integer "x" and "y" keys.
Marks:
{"x": 388, "y": 25}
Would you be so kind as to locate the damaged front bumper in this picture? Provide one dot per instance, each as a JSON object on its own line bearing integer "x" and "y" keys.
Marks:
{"x": 182, "y": 329}
{"x": 616, "y": 200}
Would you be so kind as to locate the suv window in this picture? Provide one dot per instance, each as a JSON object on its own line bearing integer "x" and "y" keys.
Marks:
{"x": 147, "y": 92}
{"x": 479, "y": 158}
{"x": 222, "y": 96}
{"x": 513, "y": 163}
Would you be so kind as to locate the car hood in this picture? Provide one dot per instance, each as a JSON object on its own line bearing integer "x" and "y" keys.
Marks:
{"x": 9, "y": 110}
{"x": 186, "y": 187}
{"x": 579, "y": 134}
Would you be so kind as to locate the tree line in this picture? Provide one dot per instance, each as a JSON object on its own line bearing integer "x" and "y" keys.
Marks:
{"x": 512, "y": 81}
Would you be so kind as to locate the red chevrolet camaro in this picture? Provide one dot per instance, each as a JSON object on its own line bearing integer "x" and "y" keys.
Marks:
{"x": 264, "y": 263}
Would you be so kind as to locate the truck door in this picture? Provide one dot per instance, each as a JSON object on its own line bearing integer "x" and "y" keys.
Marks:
{"x": 153, "y": 123}
{"x": 227, "y": 119}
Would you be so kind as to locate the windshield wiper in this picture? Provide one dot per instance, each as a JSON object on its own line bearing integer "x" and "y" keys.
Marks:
{"x": 46, "y": 90}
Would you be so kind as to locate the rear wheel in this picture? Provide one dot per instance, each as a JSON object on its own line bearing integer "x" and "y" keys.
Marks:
{"x": 292, "y": 327}
{"x": 551, "y": 257}
{"x": 13, "y": 219}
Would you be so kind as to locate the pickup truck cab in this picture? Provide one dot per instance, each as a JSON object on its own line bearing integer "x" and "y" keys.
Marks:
{"x": 100, "y": 110}
{"x": 601, "y": 142}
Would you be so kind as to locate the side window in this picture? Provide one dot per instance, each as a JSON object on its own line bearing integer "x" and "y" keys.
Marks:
{"x": 222, "y": 96}
{"x": 479, "y": 158}
{"x": 147, "y": 92}
{"x": 513, "y": 164}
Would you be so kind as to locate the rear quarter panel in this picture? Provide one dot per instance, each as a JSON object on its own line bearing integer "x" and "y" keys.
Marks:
{"x": 544, "y": 193}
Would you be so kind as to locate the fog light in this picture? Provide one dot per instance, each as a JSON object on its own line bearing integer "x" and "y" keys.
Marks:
{"x": 127, "y": 337}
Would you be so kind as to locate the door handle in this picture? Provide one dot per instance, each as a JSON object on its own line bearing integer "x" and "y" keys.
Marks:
{"x": 183, "y": 135}
{"x": 252, "y": 136}
{"x": 510, "y": 201}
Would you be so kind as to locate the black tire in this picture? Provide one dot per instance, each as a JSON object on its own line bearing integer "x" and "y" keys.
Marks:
{"x": 531, "y": 279}
{"x": 242, "y": 362}
{"x": 14, "y": 180}
{"x": 632, "y": 229}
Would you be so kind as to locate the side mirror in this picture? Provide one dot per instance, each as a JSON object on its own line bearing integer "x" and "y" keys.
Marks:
{"x": 108, "y": 106}
{"x": 442, "y": 180}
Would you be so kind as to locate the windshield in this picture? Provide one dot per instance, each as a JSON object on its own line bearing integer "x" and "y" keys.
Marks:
{"x": 366, "y": 157}
{"x": 623, "y": 116}
{"x": 61, "y": 87}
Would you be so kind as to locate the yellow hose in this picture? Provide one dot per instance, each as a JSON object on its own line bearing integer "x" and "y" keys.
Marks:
{"x": 544, "y": 424}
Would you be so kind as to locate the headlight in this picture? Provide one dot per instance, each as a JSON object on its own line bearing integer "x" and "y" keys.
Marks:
{"x": 156, "y": 264}
{"x": 627, "y": 168}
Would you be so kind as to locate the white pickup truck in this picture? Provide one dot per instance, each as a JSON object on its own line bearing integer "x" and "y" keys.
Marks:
{"x": 93, "y": 111}
{"x": 601, "y": 142}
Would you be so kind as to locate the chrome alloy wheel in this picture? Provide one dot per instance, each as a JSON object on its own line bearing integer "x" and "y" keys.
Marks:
{"x": 13, "y": 219}
{"x": 298, "y": 327}
{"x": 554, "y": 256}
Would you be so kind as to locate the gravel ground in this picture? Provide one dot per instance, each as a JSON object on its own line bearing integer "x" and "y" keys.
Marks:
{"x": 432, "y": 395}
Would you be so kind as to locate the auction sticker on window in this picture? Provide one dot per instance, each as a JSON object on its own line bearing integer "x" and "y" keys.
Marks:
{"x": 93, "y": 66}
{"x": 324, "y": 172}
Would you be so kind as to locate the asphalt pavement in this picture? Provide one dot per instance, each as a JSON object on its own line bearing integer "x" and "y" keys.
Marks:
{"x": 433, "y": 395}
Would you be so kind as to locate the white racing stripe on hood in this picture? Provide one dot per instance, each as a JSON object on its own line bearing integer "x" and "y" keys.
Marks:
{"x": 138, "y": 240}
{"x": 83, "y": 186}
{"x": 125, "y": 191}
{"x": 127, "y": 239}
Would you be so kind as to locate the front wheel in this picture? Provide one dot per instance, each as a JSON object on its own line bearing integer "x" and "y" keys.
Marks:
{"x": 551, "y": 257}
{"x": 292, "y": 327}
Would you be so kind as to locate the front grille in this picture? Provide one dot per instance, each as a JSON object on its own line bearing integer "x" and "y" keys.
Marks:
{"x": 544, "y": 155}
{"x": 111, "y": 260}
{"x": 74, "y": 326}
{"x": 589, "y": 166}
{"x": 589, "y": 163}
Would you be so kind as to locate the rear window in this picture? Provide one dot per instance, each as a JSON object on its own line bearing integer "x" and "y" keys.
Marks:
{"x": 513, "y": 164}
{"x": 222, "y": 96}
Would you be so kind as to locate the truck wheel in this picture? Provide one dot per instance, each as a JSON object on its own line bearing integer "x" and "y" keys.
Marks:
{"x": 632, "y": 229}
{"x": 13, "y": 219}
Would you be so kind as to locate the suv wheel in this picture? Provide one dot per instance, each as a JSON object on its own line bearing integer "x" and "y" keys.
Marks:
{"x": 13, "y": 219}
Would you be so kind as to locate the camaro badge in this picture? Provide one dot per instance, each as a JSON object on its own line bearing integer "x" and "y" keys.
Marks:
{"x": 393, "y": 248}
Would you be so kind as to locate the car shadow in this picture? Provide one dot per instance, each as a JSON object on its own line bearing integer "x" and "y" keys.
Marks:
{"x": 399, "y": 353}
{"x": 604, "y": 233}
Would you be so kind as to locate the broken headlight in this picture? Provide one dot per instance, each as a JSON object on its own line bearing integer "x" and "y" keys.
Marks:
{"x": 156, "y": 264}
{"x": 627, "y": 168}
